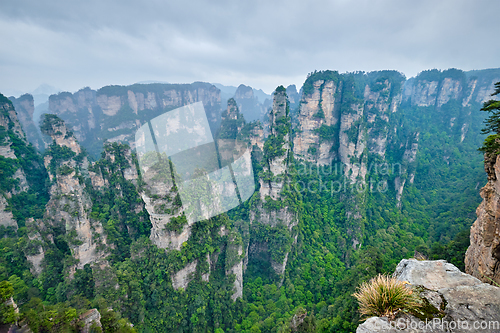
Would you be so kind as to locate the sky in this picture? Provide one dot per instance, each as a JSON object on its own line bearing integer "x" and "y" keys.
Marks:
{"x": 73, "y": 44}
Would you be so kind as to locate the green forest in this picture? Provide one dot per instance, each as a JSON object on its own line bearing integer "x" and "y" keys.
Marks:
{"x": 331, "y": 255}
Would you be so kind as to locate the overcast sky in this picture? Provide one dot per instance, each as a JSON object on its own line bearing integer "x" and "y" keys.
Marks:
{"x": 72, "y": 44}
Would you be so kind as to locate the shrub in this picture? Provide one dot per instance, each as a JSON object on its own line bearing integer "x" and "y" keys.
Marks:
{"x": 386, "y": 296}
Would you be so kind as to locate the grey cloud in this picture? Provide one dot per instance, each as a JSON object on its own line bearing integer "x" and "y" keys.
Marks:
{"x": 72, "y": 44}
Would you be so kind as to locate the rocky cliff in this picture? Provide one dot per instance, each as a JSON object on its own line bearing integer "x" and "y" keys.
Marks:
{"x": 482, "y": 259}
{"x": 22, "y": 170}
{"x": 11, "y": 135}
{"x": 273, "y": 206}
{"x": 68, "y": 210}
{"x": 25, "y": 108}
{"x": 454, "y": 301}
{"x": 368, "y": 126}
{"x": 341, "y": 115}
{"x": 114, "y": 113}
{"x": 248, "y": 104}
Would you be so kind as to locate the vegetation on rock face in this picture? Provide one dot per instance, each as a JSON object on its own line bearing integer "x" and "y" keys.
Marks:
{"x": 28, "y": 202}
{"x": 328, "y": 75}
{"x": 492, "y": 142}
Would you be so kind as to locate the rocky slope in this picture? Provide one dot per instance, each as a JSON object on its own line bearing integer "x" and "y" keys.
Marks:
{"x": 455, "y": 301}
{"x": 482, "y": 259}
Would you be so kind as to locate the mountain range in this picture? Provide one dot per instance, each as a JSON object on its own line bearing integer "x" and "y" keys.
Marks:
{"x": 353, "y": 173}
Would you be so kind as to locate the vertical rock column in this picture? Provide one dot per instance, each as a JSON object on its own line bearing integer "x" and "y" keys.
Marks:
{"x": 273, "y": 208}
{"x": 70, "y": 204}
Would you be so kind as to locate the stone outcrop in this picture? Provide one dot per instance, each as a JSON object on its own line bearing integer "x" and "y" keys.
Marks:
{"x": 9, "y": 122}
{"x": 458, "y": 301}
{"x": 482, "y": 259}
{"x": 235, "y": 257}
{"x": 182, "y": 278}
{"x": 6, "y": 217}
{"x": 336, "y": 122}
{"x": 89, "y": 320}
{"x": 162, "y": 201}
{"x": 9, "y": 119}
{"x": 34, "y": 251}
{"x": 293, "y": 97}
{"x": 276, "y": 164}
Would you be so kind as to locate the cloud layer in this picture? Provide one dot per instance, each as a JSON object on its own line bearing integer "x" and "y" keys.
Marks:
{"x": 260, "y": 43}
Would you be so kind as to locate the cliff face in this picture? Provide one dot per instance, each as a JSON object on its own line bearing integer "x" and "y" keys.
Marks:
{"x": 342, "y": 115}
{"x": 369, "y": 126}
{"x": 346, "y": 118}
{"x": 248, "y": 104}
{"x": 23, "y": 175}
{"x": 482, "y": 259}
{"x": 318, "y": 108}
{"x": 22, "y": 183}
{"x": 11, "y": 138}
{"x": 114, "y": 113}
{"x": 25, "y": 108}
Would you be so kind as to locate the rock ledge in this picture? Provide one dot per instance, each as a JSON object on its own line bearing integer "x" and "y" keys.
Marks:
{"x": 466, "y": 304}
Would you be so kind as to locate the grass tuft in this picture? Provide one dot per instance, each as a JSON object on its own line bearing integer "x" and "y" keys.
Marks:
{"x": 385, "y": 296}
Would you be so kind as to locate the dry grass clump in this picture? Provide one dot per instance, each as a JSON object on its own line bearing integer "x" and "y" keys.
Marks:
{"x": 385, "y": 296}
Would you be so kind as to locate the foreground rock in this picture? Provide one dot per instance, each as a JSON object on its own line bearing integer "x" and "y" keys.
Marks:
{"x": 457, "y": 302}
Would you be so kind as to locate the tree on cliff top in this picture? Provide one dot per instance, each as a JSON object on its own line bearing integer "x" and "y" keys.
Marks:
{"x": 492, "y": 142}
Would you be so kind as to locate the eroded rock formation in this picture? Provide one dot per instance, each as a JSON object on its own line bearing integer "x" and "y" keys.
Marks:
{"x": 25, "y": 108}
{"x": 114, "y": 113}
{"x": 482, "y": 259}
{"x": 70, "y": 204}
{"x": 272, "y": 209}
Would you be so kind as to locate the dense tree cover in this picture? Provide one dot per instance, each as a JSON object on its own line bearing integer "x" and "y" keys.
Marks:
{"x": 334, "y": 252}
{"x": 324, "y": 268}
{"x": 113, "y": 204}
